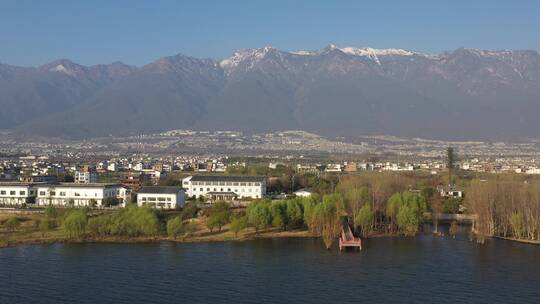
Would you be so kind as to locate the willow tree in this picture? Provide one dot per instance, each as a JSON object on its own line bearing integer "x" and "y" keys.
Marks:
{"x": 364, "y": 219}
{"x": 355, "y": 198}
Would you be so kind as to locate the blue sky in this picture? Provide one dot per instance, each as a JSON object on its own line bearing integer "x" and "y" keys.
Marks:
{"x": 138, "y": 32}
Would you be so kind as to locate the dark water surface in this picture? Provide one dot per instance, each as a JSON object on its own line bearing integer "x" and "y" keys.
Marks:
{"x": 424, "y": 269}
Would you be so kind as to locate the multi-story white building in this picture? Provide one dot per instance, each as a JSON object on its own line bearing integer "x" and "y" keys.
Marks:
{"x": 161, "y": 197}
{"x": 217, "y": 187}
{"x": 86, "y": 177}
{"x": 80, "y": 195}
{"x": 15, "y": 193}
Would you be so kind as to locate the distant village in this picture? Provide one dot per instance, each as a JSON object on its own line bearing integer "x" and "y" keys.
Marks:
{"x": 38, "y": 180}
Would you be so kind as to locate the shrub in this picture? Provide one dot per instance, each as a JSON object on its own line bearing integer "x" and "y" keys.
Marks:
{"x": 51, "y": 212}
{"x": 99, "y": 226}
{"x": 46, "y": 225}
{"x": 75, "y": 223}
{"x": 12, "y": 223}
{"x": 175, "y": 227}
{"x": 189, "y": 211}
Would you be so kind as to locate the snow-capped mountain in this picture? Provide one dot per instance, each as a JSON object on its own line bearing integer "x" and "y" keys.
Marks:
{"x": 466, "y": 93}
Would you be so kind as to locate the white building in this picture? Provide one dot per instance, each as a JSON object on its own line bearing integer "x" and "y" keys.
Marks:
{"x": 304, "y": 192}
{"x": 15, "y": 193}
{"x": 225, "y": 187}
{"x": 86, "y": 177}
{"x": 161, "y": 197}
{"x": 80, "y": 195}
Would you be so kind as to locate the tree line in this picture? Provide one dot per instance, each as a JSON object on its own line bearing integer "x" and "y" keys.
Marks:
{"x": 506, "y": 206}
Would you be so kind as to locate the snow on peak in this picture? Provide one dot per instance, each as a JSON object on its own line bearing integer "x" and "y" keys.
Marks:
{"x": 370, "y": 52}
{"x": 62, "y": 69}
{"x": 250, "y": 55}
{"x": 363, "y": 52}
{"x": 303, "y": 53}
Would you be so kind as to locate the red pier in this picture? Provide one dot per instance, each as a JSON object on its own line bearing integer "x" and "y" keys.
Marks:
{"x": 347, "y": 239}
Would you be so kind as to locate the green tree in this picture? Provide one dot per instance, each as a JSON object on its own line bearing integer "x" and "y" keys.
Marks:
{"x": 364, "y": 219}
{"x": 134, "y": 221}
{"x": 220, "y": 214}
{"x": 309, "y": 205}
{"x": 355, "y": 198}
{"x": 238, "y": 224}
{"x": 75, "y": 223}
{"x": 518, "y": 224}
{"x": 451, "y": 205}
{"x": 175, "y": 227}
{"x": 278, "y": 211}
{"x": 258, "y": 213}
{"x": 328, "y": 218}
{"x": 295, "y": 212}
{"x": 407, "y": 220}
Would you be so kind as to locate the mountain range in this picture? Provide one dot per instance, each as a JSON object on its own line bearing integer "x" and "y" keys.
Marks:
{"x": 460, "y": 94}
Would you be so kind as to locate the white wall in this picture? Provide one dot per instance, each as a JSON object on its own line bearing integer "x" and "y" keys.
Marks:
{"x": 161, "y": 200}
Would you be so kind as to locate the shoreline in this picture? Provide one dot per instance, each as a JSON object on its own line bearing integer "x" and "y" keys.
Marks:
{"x": 209, "y": 237}
{"x": 223, "y": 236}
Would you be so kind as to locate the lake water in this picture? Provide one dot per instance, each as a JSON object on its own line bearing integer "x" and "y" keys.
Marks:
{"x": 424, "y": 269}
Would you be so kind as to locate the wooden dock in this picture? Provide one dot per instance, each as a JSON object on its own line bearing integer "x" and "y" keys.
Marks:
{"x": 347, "y": 239}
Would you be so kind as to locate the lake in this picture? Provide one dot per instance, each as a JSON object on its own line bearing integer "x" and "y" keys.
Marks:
{"x": 424, "y": 269}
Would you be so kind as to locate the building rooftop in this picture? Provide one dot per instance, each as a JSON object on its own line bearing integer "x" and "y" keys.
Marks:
{"x": 160, "y": 190}
{"x": 227, "y": 178}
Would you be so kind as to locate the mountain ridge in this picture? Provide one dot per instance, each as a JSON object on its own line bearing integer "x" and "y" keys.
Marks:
{"x": 332, "y": 91}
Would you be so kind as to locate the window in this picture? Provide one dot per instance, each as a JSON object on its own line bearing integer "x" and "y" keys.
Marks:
{"x": 207, "y": 189}
{"x": 186, "y": 183}
{"x": 161, "y": 199}
{"x": 144, "y": 199}
{"x": 62, "y": 194}
{"x": 22, "y": 192}
{"x": 168, "y": 199}
{"x": 3, "y": 192}
{"x": 42, "y": 193}
{"x": 52, "y": 193}
{"x": 257, "y": 184}
{"x": 201, "y": 189}
{"x": 12, "y": 192}
{"x": 77, "y": 194}
{"x": 151, "y": 199}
